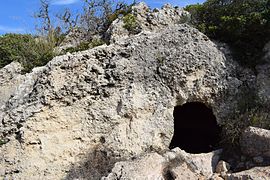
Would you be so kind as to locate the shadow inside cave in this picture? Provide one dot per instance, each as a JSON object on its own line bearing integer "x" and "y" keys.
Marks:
{"x": 195, "y": 128}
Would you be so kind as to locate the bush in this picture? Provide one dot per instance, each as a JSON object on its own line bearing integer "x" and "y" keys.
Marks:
{"x": 243, "y": 24}
{"x": 130, "y": 23}
{"x": 26, "y": 49}
{"x": 2, "y": 142}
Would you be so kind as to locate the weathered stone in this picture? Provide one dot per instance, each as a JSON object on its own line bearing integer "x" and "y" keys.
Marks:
{"x": 175, "y": 164}
{"x": 150, "y": 166}
{"x": 81, "y": 113}
{"x": 255, "y": 142}
{"x": 257, "y": 173}
{"x": 148, "y": 20}
{"x": 10, "y": 78}
{"x": 119, "y": 96}
{"x": 222, "y": 166}
{"x": 204, "y": 163}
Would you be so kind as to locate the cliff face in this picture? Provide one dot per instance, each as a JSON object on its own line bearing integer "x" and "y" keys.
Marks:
{"x": 82, "y": 112}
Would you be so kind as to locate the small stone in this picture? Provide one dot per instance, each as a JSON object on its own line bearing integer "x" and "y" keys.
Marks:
{"x": 222, "y": 166}
{"x": 216, "y": 177}
{"x": 255, "y": 142}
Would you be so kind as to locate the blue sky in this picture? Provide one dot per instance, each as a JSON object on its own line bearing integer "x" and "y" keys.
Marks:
{"x": 17, "y": 15}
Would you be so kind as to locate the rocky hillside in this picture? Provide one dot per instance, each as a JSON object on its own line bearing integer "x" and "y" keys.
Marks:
{"x": 83, "y": 113}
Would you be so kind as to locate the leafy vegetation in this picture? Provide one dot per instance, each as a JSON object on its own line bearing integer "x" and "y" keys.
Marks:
{"x": 30, "y": 51}
{"x": 130, "y": 23}
{"x": 2, "y": 142}
{"x": 36, "y": 50}
{"x": 243, "y": 24}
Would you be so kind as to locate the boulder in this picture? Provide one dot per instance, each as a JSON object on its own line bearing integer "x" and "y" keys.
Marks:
{"x": 175, "y": 164}
{"x": 148, "y": 20}
{"x": 255, "y": 142}
{"x": 81, "y": 113}
{"x": 116, "y": 101}
{"x": 257, "y": 173}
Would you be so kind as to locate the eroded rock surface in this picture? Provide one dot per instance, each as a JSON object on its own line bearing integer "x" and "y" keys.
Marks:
{"x": 119, "y": 96}
{"x": 82, "y": 112}
{"x": 256, "y": 142}
{"x": 175, "y": 164}
{"x": 257, "y": 173}
{"x": 10, "y": 78}
{"x": 148, "y": 20}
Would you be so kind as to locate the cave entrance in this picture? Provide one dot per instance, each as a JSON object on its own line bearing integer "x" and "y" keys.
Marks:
{"x": 195, "y": 128}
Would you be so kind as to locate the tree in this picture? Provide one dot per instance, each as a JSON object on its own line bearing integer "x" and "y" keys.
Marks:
{"x": 43, "y": 14}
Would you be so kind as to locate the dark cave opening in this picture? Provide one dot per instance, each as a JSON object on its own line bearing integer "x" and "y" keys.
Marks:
{"x": 195, "y": 128}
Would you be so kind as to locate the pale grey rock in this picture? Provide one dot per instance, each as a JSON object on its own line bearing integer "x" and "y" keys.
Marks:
{"x": 255, "y": 142}
{"x": 204, "y": 163}
{"x": 110, "y": 103}
{"x": 176, "y": 164}
{"x": 216, "y": 177}
{"x": 257, "y": 173}
{"x": 148, "y": 20}
{"x": 150, "y": 166}
{"x": 10, "y": 77}
{"x": 262, "y": 78}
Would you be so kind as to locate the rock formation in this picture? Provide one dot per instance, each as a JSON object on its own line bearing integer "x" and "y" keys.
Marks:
{"x": 81, "y": 113}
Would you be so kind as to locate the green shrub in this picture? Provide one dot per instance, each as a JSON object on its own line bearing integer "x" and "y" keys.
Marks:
{"x": 130, "y": 23}
{"x": 243, "y": 24}
{"x": 26, "y": 49}
{"x": 2, "y": 142}
{"x": 123, "y": 10}
{"x": 96, "y": 42}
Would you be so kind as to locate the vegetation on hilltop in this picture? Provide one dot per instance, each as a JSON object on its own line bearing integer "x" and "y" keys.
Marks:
{"x": 29, "y": 50}
{"x": 36, "y": 50}
{"x": 243, "y": 24}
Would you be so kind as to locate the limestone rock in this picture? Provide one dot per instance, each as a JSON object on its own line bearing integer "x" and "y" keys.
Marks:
{"x": 222, "y": 167}
{"x": 203, "y": 163}
{"x": 82, "y": 112}
{"x": 257, "y": 173}
{"x": 256, "y": 142}
{"x": 10, "y": 77}
{"x": 148, "y": 167}
{"x": 148, "y": 20}
{"x": 175, "y": 164}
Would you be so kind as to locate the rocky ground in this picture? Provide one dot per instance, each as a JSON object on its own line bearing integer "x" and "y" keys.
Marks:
{"x": 107, "y": 113}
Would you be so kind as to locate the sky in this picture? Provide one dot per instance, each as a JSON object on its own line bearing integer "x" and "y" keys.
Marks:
{"x": 16, "y": 16}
